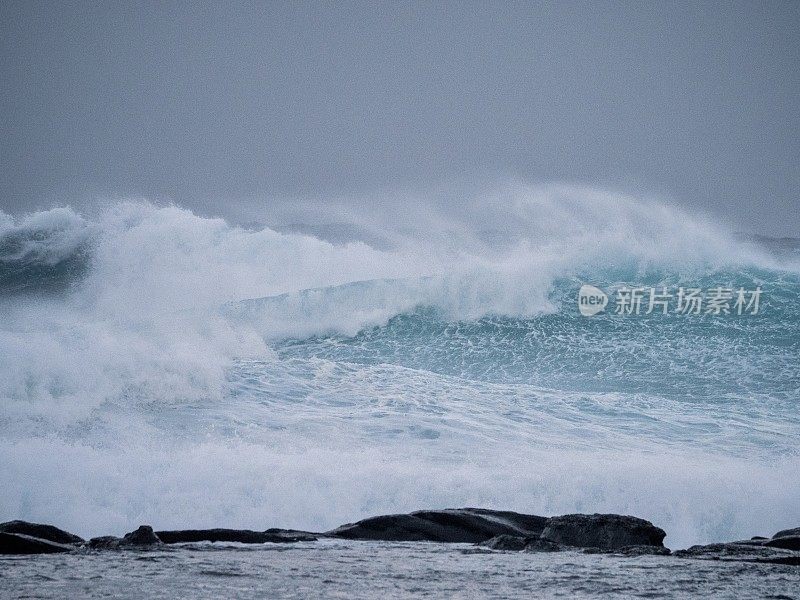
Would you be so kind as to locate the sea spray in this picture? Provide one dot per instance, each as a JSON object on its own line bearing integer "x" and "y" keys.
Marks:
{"x": 163, "y": 367}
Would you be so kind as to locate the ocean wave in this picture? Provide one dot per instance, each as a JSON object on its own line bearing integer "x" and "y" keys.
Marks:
{"x": 43, "y": 251}
{"x": 149, "y": 353}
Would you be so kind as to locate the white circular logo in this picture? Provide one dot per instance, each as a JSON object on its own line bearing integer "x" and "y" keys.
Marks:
{"x": 591, "y": 300}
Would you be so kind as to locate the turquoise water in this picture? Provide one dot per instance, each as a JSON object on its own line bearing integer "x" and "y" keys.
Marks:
{"x": 177, "y": 370}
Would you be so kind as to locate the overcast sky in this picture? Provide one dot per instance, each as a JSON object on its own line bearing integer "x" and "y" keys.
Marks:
{"x": 225, "y": 104}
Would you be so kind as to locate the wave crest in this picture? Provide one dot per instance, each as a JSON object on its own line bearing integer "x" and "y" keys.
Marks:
{"x": 133, "y": 375}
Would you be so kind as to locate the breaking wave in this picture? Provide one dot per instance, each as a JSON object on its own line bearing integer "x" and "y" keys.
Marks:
{"x": 163, "y": 367}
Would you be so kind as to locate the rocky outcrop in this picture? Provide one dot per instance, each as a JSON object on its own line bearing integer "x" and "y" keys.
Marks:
{"x": 244, "y": 536}
{"x": 787, "y": 533}
{"x": 105, "y": 542}
{"x": 43, "y": 532}
{"x": 783, "y": 548}
{"x": 19, "y": 543}
{"x": 643, "y": 551}
{"x": 465, "y": 525}
{"x": 754, "y": 541}
{"x": 143, "y": 537}
{"x": 513, "y": 543}
{"x": 788, "y": 542}
{"x": 503, "y": 530}
{"x": 606, "y": 532}
{"x": 491, "y": 529}
{"x": 540, "y": 545}
{"x": 734, "y": 551}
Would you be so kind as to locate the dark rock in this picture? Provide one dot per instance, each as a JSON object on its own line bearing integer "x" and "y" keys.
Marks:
{"x": 469, "y": 525}
{"x": 751, "y": 542}
{"x": 782, "y": 560}
{"x": 789, "y": 542}
{"x": 607, "y": 532}
{"x": 518, "y": 543}
{"x": 540, "y": 545}
{"x": 19, "y": 543}
{"x": 244, "y": 536}
{"x": 105, "y": 542}
{"x": 43, "y": 532}
{"x": 787, "y": 533}
{"x": 291, "y": 535}
{"x": 740, "y": 552}
{"x": 483, "y": 520}
{"x": 643, "y": 551}
{"x": 758, "y": 537}
{"x": 401, "y": 528}
{"x": 506, "y": 542}
{"x": 144, "y": 536}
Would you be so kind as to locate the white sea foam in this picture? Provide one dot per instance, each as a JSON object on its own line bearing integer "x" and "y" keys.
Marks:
{"x": 129, "y": 396}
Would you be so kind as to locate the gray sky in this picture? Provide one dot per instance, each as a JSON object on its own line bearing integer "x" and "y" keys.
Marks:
{"x": 223, "y": 105}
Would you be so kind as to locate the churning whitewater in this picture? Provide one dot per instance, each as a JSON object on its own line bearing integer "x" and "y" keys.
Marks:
{"x": 166, "y": 368}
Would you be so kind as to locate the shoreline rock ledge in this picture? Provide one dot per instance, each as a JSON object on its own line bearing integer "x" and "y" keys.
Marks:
{"x": 243, "y": 536}
{"x": 506, "y": 530}
{"x": 21, "y": 537}
{"x": 453, "y": 525}
{"x": 42, "y": 532}
{"x": 19, "y": 543}
{"x": 492, "y": 529}
{"x": 143, "y": 537}
{"x": 603, "y": 531}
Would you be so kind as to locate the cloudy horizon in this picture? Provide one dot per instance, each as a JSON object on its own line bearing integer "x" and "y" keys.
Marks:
{"x": 227, "y": 109}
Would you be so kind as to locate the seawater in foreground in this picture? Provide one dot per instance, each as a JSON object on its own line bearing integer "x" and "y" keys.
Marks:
{"x": 338, "y": 569}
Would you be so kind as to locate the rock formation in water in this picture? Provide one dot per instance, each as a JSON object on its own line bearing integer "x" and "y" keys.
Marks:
{"x": 491, "y": 529}
{"x": 606, "y": 532}
{"x": 43, "y": 532}
{"x": 143, "y": 537}
{"x": 244, "y": 536}
{"x": 19, "y": 543}
{"x": 470, "y": 525}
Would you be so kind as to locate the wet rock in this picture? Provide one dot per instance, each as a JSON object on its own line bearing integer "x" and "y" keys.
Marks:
{"x": 483, "y": 519}
{"x": 291, "y": 535}
{"x": 43, "y": 532}
{"x": 244, "y": 536}
{"x": 787, "y": 533}
{"x": 643, "y": 551}
{"x": 740, "y": 552}
{"x": 19, "y": 543}
{"x": 758, "y": 541}
{"x": 506, "y": 542}
{"x": 105, "y": 542}
{"x": 519, "y": 543}
{"x": 607, "y": 532}
{"x": 540, "y": 545}
{"x": 142, "y": 537}
{"x": 789, "y": 542}
{"x": 401, "y": 528}
{"x": 466, "y": 525}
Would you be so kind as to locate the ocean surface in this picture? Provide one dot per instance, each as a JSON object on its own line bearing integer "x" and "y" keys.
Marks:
{"x": 341, "y": 569}
{"x": 166, "y": 368}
